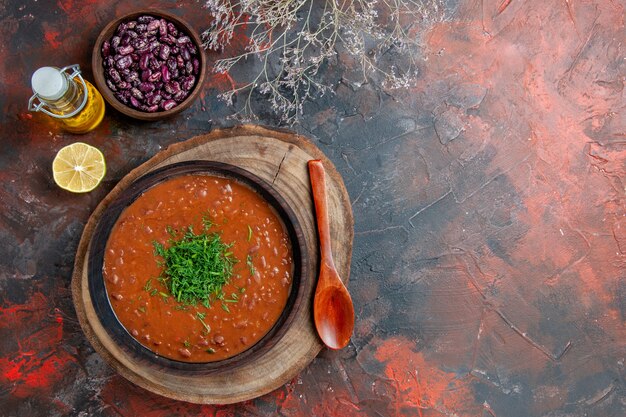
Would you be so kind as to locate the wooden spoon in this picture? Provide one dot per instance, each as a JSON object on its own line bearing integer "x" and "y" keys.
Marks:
{"x": 333, "y": 311}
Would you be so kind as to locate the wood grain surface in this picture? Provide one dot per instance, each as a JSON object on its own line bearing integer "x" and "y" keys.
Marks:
{"x": 280, "y": 158}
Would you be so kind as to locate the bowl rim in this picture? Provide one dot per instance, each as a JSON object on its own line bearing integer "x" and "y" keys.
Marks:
{"x": 97, "y": 289}
{"x": 98, "y": 69}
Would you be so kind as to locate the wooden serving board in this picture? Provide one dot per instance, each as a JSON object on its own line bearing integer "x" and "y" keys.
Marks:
{"x": 280, "y": 158}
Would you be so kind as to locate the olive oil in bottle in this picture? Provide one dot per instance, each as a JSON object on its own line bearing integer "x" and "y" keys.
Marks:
{"x": 69, "y": 98}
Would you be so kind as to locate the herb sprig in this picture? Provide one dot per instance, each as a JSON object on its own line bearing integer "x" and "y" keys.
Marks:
{"x": 195, "y": 266}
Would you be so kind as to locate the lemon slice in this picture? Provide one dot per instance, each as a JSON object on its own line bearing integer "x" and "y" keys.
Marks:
{"x": 78, "y": 167}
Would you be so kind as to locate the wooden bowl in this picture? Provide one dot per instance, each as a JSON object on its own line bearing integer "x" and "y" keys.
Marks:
{"x": 98, "y": 68}
{"x": 142, "y": 356}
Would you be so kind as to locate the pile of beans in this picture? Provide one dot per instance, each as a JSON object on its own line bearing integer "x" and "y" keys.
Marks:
{"x": 150, "y": 64}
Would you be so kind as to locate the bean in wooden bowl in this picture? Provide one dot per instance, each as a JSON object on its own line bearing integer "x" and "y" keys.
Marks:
{"x": 149, "y": 65}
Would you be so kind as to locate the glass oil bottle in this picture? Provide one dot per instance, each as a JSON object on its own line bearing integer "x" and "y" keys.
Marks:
{"x": 69, "y": 98}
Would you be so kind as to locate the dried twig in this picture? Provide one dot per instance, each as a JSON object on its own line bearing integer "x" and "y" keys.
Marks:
{"x": 303, "y": 34}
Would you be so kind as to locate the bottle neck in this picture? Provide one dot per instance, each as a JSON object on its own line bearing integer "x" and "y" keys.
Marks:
{"x": 70, "y": 101}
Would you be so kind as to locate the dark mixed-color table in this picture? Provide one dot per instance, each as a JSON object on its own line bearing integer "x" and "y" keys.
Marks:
{"x": 489, "y": 264}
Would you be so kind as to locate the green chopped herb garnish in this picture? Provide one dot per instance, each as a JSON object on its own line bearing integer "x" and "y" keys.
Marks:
{"x": 249, "y": 233}
{"x": 250, "y": 265}
{"x": 142, "y": 309}
{"x": 200, "y": 317}
{"x": 195, "y": 266}
{"x": 186, "y": 343}
{"x": 210, "y": 350}
{"x": 154, "y": 292}
{"x": 206, "y": 222}
{"x": 148, "y": 285}
{"x": 225, "y": 308}
{"x": 207, "y": 328}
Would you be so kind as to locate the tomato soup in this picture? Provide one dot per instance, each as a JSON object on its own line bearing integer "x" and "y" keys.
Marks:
{"x": 251, "y": 301}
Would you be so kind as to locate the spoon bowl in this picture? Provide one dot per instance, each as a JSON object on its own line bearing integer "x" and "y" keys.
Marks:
{"x": 333, "y": 311}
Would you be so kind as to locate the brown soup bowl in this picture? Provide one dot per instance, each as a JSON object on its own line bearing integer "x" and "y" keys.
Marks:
{"x": 143, "y": 356}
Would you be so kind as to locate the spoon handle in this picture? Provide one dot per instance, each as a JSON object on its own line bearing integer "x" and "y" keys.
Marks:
{"x": 318, "y": 184}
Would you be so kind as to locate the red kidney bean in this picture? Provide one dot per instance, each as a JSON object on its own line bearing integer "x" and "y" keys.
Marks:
{"x": 180, "y": 96}
{"x": 162, "y": 27}
{"x": 156, "y": 76}
{"x": 145, "y": 74}
{"x": 132, "y": 76}
{"x": 154, "y": 46}
{"x": 196, "y": 66}
{"x": 139, "y": 43}
{"x": 171, "y": 63}
{"x": 145, "y": 19}
{"x": 171, "y": 28}
{"x": 126, "y": 50}
{"x": 106, "y": 48}
{"x": 135, "y": 102}
{"x": 153, "y": 25}
{"x": 188, "y": 82}
{"x": 165, "y": 74}
{"x": 143, "y": 61}
{"x": 172, "y": 87}
{"x": 168, "y": 39}
{"x": 108, "y": 62}
{"x": 114, "y": 75}
{"x": 124, "y": 62}
{"x": 155, "y": 99}
{"x": 114, "y": 279}
{"x": 111, "y": 85}
{"x": 153, "y": 63}
{"x": 115, "y": 41}
{"x": 183, "y": 40}
{"x": 146, "y": 87}
{"x": 185, "y": 353}
{"x": 168, "y": 104}
{"x": 135, "y": 92}
{"x": 164, "y": 52}
{"x": 184, "y": 52}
